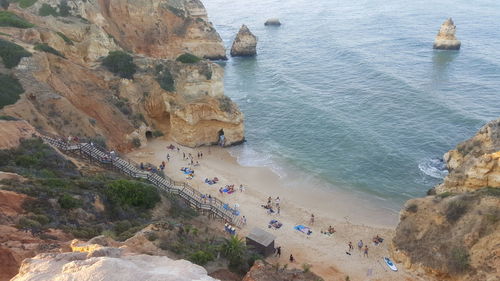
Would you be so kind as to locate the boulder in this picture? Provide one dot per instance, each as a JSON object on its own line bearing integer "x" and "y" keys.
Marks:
{"x": 445, "y": 39}
{"x": 245, "y": 43}
{"x": 272, "y": 22}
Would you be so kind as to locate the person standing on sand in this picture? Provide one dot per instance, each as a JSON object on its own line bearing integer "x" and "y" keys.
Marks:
{"x": 312, "y": 219}
{"x": 168, "y": 157}
{"x": 360, "y": 245}
{"x": 366, "y": 251}
{"x": 277, "y": 201}
{"x": 241, "y": 188}
{"x": 244, "y": 220}
{"x": 291, "y": 258}
{"x": 278, "y": 252}
{"x": 278, "y": 210}
{"x": 350, "y": 246}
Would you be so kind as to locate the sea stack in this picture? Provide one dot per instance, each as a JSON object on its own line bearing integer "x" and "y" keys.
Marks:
{"x": 245, "y": 43}
{"x": 445, "y": 39}
{"x": 272, "y": 22}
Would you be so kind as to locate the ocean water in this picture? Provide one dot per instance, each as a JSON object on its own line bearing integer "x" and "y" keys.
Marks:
{"x": 350, "y": 96}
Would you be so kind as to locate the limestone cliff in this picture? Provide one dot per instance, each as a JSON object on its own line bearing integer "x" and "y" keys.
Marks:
{"x": 455, "y": 234}
{"x": 244, "y": 44}
{"x": 107, "y": 263}
{"x": 445, "y": 39}
{"x": 475, "y": 163}
{"x": 71, "y": 93}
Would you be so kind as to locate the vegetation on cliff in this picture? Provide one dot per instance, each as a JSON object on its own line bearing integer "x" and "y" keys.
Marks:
{"x": 188, "y": 58}
{"x": 75, "y": 199}
{"x": 10, "y": 90}
{"x": 12, "y": 53}
{"x": 24, "y": 3}
{"x": 121, "y": 64}
{"x": 44, "y": 47}
{"x": 10, "y": 19}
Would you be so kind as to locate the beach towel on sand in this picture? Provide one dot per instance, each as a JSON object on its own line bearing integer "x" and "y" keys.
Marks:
{"x": 303, "y": 229}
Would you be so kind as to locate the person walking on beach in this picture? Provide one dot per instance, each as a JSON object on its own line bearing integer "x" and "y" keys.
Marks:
{"x": 244, "y": 220}
{"x": 277, "y": 201}
{"x": 366, "y": 251}
{"x": 241, "y": 188}
{"x": 312, "y": 219}
{"x": 350, "y": 246}
{"x": 183, "y": 156}
{"x": 278, "y": 210}
{"x": 278, "y": 252}
{"x": 168, "y": 157}
{"x": 360, "y": 245}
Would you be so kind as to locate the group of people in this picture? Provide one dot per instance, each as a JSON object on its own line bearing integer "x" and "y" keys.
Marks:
{"x": 270, "y": 206}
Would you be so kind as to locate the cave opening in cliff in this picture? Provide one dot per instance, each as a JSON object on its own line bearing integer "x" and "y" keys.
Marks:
{"x": 149, "y": 135}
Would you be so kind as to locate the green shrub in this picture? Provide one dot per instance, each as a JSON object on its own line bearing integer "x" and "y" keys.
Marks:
{"x": 201, "y": 257}
{"x": 132, "y": 193}
{"x": 10, "y": 90}
{"x": 306, "y": 267}
{"x": 151, "y": 236}
{"x": 47, "y": 10}
{"x": 10, "y": 19}
{"x": 445, "y": 194}
{"x": 6, "y": 117}
{"x": 44, "y": 47}
{"x": 225, "y": 104}
{"x": 459, "y": 260}
{"x": 65, "y": 38}
{"x": 412, "y": 208}
{"x": 68, "y": 202}
{"x": 11, "y": 53}
{"x": 64, "y": 9}
{"x": 455, "y": 210}
{"x": 158, "y": 133}
{"x": 26, "y": 223}
{"x": 56, "y": 182}
{"x": 120, "y": 63}
{"x": 188, "y": 58}
{"x": 42, "y": 219}
{"x": 136, "y": 142}
{"x": 165, "y": 79}
{"x": 27, "y": 161}
{"x": 26, "y": 3}
{"x": 84, "y": 232}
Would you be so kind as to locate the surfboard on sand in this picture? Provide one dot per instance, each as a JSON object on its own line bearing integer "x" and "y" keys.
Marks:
{"x": 390, "y": 264}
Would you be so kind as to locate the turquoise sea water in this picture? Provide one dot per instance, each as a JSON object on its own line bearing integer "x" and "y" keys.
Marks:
{"x": 350, "y": 95}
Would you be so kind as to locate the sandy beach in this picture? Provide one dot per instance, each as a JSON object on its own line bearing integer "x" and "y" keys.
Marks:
{"x": 326, "y": 253}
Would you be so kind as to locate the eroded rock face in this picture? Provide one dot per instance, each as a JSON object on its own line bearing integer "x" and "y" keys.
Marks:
{"x": 245, "y": 43}
{"x": 445, "y": 39}
{"x": 107, "y": 263}
{"x": 263, "y": 272}
{"x": 475, "y": 163}
{"x": 76, "y": 96}
{"x": 455, "y": 235}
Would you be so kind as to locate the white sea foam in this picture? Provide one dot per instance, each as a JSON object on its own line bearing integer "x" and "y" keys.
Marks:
{"x": 433, "y": 167}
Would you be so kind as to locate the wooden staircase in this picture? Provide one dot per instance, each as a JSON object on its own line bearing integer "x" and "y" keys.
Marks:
{"x": 195, "y": 199}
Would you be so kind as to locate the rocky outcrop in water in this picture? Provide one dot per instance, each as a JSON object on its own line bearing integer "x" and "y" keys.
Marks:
{"x": 474, "y": 163}
{"x": 272, "y": 22}
{"x": 445, "y": 39}
{"x": 74, "y": 95}
{"x": 245, "y": 43}
{"x": 455, "y": 234}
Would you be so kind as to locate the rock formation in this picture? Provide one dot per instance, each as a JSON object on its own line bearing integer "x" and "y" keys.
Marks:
{"x": 445, "y": 39}
{"x": 272, "y": 22}
{"x": 245, "y": 43}
{"x": 107, "y": 263}
{"x": 455, "y": 234}
{"x": 76, "y": 96}
{"x": 475, "y": 163}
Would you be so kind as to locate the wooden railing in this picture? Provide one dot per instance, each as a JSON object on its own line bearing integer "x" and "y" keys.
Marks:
{"x": 193, "y": 197}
